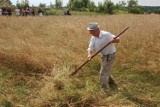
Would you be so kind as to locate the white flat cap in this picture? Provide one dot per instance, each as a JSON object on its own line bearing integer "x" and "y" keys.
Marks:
{"x": 93, "y": 26}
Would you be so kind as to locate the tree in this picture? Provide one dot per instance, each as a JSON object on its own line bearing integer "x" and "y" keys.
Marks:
{"x": 26, "y": 3}
{"x": 5, "y": 2}
{"x": 100, "y": 7}
{"x": 85, "y": 3}
{"x": 22, "y": 4}
{"x": 52, "y": 5}
{"x": 18, "y": 4}
{"x": 108, "y": 6}
{"x": 91, "y": 6}
{"x": 42, "y": 5}
{"x": 58, "y": 4}
{"x": 134, "y": 8}
{"x": 76, "y": 4}
{"x": 121, "y": 5}
{"x": 132, "y": 3}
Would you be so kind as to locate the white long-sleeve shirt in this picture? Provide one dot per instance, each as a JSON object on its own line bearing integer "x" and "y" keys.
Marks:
{"x": 96, "y": 43}
{"x": 0, "y": 12}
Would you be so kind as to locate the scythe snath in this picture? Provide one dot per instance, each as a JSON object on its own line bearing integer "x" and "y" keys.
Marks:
{"x": 96, "y": 53}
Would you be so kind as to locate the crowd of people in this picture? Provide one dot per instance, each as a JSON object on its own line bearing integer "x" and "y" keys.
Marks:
{"x": 7, "y": 11}
{"x": 27, "y": 11}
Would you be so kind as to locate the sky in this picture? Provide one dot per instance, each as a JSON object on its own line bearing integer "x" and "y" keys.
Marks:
{"x": 47, "y": 2}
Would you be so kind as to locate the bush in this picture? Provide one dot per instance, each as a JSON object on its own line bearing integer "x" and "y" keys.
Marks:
{"x": 136, "y": 10}
{"x": 50, "y": 12}
{"x": 157, "y": 11}
{"x": 83, "y": 9}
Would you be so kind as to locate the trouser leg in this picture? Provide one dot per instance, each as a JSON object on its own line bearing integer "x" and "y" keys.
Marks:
{"x": 105, "y": 72}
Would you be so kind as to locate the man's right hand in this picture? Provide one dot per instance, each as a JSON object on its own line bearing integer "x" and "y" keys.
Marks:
{"x": 89, "y": 57}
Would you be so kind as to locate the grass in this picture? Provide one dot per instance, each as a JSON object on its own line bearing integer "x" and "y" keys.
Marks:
{"x": 37, "y": 54}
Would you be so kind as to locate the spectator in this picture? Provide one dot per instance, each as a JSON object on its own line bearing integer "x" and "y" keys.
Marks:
{"x": 67, "y": 12}
{"x": 9, "y": 11}
{"x": 17, "y": 10}
{"x": 22, "y": 12}
{"x": 27, "y": 11}
{"x": 4, "y": 10}
{"x": 40, "y": 12}
{"x": 33, "y": 12}
{"x": 0, "y": 12}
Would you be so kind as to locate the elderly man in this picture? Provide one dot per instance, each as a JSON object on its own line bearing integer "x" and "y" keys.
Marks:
{"x": 99, "y": 39}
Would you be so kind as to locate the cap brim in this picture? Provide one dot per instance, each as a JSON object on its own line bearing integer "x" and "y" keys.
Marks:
{"x": 89, "y": 29}
{"x": 92, "y": 29}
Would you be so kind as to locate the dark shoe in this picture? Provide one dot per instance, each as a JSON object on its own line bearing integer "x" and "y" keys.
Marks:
{"x": 112, "y": 84}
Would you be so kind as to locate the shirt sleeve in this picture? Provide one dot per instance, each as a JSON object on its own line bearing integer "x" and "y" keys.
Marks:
{"x": 113, "y": 36}
{"x": 91, "y": 45}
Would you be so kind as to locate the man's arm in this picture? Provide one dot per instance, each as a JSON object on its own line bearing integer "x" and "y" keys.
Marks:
{"x": 89, "y": 55}
{"x": 91, "y": 48}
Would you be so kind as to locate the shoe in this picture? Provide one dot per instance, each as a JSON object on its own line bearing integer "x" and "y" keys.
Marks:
{"x": 112, "y": 82}
{"x": 104, "y": 91}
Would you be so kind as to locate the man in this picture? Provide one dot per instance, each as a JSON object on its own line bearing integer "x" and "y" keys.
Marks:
{"x": 17, "y": 10}
{"x": 33, "y": 12}
{"x": 0, "y": 12}
{"x": 98, "y": 40}
{"x": 27, "y": 11}
{"x": 9, "y": 10}
{"x": 40, "y": 12}
{"x": 4, "y": 10}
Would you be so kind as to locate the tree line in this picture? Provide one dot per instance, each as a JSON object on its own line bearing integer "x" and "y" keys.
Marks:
{"x": 106, "y": 7}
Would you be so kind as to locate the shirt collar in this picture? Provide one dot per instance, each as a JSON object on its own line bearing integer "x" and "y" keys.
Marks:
{"x": 100, "y": 34}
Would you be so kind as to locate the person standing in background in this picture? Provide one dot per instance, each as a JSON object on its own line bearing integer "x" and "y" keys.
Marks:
{"x": 40, "y": 12}
{"x": 17, "y": 11}
{"x": 33, "y": 12}
{"x": 9, "y": 11}
{"x": 27, "y": 12}
{"x": 0, "y": 12}
{"x": 22, "y": 12}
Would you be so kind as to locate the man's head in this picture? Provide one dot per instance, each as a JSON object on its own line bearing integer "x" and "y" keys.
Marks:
{"x": 94, "y": 29}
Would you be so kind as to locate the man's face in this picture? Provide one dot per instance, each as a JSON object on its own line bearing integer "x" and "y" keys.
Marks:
{"x": 94, "y": 32}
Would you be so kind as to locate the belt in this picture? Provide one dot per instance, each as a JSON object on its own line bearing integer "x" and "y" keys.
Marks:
{"x": 109, "y": 54}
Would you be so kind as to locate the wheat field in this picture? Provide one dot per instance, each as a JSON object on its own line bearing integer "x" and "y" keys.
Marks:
{"x": 38, "y": 53}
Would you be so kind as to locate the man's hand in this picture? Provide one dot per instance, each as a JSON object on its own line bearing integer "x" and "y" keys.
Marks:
{"x": 89, "y": 57}
{"x": 117, "y": 40}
